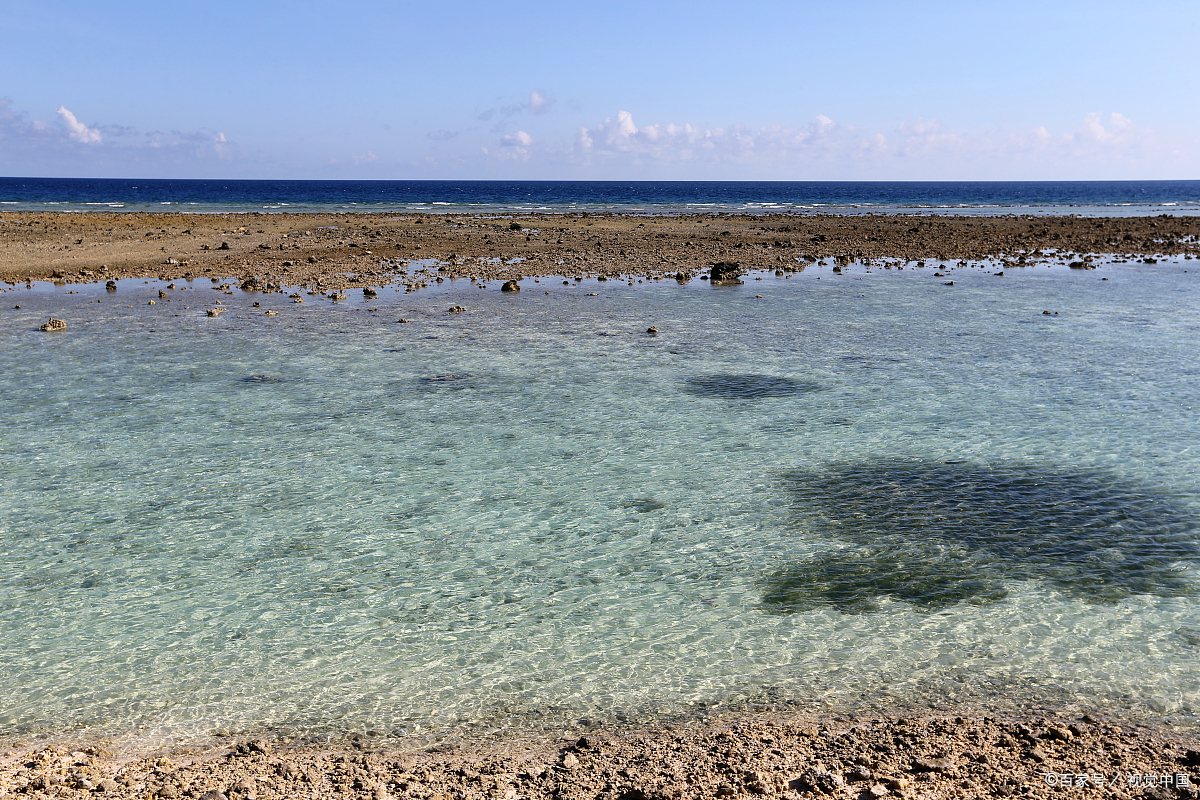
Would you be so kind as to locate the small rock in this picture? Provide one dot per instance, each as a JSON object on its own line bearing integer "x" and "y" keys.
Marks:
{"x": 244, "y": 786}
{"x": 818, "y": 779}
{"x": 725, "y": 272}
{"x": 224, "y": 246}
{"x": 212, "y": 312}
{"x": 1037, "y": 754}
{"x": 213, "y": 794}
{"x": 931, "y": 765}
{"x": 570, "y": 761}
{"x": 895, "y": 782}
{"x": 1191, "y": 758}
{"x": 859, "y": 774}
{"x": 161, "y": 294}
{"x": 456, "y": 310}
{"x": 107, "y": 785}
{"x": 878, "y": 790}
{"x": 652, "y": 330}
{"x": 270, "y": 313}
{"x": 1059, "y": 734}
{"x": 369, "y": 292}
{"x": 402, "y": 319}
{"x": 110, "y": 286}
{"x": 150, "y": 303}
{"x": 510, "y": 286}
{"x": 54, "y": 325}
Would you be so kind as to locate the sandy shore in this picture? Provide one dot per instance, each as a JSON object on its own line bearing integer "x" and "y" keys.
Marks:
{"x": 762, "y": 754}
{"x": 759, "y": 755}
{"x": 343, "y": 251}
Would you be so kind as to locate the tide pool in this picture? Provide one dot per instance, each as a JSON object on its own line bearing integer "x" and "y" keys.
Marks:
{"x": 862, "y": 491}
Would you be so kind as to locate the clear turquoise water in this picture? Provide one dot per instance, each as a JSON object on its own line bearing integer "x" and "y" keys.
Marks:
{"x": 587, "y": 522}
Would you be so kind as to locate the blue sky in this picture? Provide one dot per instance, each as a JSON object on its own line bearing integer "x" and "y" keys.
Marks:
{"x": 699, "y": 90}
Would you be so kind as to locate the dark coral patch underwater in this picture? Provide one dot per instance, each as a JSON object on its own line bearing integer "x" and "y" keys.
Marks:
{"x": 933, "y": 534}
{"x": 746, "y": 386}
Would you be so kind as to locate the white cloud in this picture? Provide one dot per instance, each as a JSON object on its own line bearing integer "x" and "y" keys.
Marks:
{"x": 518, "y": 139}
{"x": 917, "y": 148}
{"x": 76, "y": 129}
{"x": 29, "y": 146}
{"x": 539, "y": 103}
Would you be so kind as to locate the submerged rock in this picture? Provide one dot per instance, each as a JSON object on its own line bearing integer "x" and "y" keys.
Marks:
{"x": 510, "y": 286}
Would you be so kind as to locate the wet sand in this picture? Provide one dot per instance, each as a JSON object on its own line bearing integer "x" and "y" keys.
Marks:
{"x": 768, "y": 753}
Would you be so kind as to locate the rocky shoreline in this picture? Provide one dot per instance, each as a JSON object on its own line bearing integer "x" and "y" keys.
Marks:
{"x": 337, "y": 252}
{"x": 747, "y": 755}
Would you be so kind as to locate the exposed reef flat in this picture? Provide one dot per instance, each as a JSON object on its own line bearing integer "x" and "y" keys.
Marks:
{"x": 342, "y": 251}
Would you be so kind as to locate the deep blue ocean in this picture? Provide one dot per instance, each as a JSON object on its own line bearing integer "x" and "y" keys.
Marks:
{"x": 1095, "y": 198}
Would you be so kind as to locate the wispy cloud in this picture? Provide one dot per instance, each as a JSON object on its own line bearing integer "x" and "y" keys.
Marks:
{"x": 538, "y": 103}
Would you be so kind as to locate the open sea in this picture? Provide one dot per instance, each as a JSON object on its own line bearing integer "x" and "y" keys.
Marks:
{"x": 1095, "y": 198}
{"x": 870, "y": 491}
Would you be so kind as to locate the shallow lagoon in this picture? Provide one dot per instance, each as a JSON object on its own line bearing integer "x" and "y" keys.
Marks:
{"x": 536, "y": 514}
